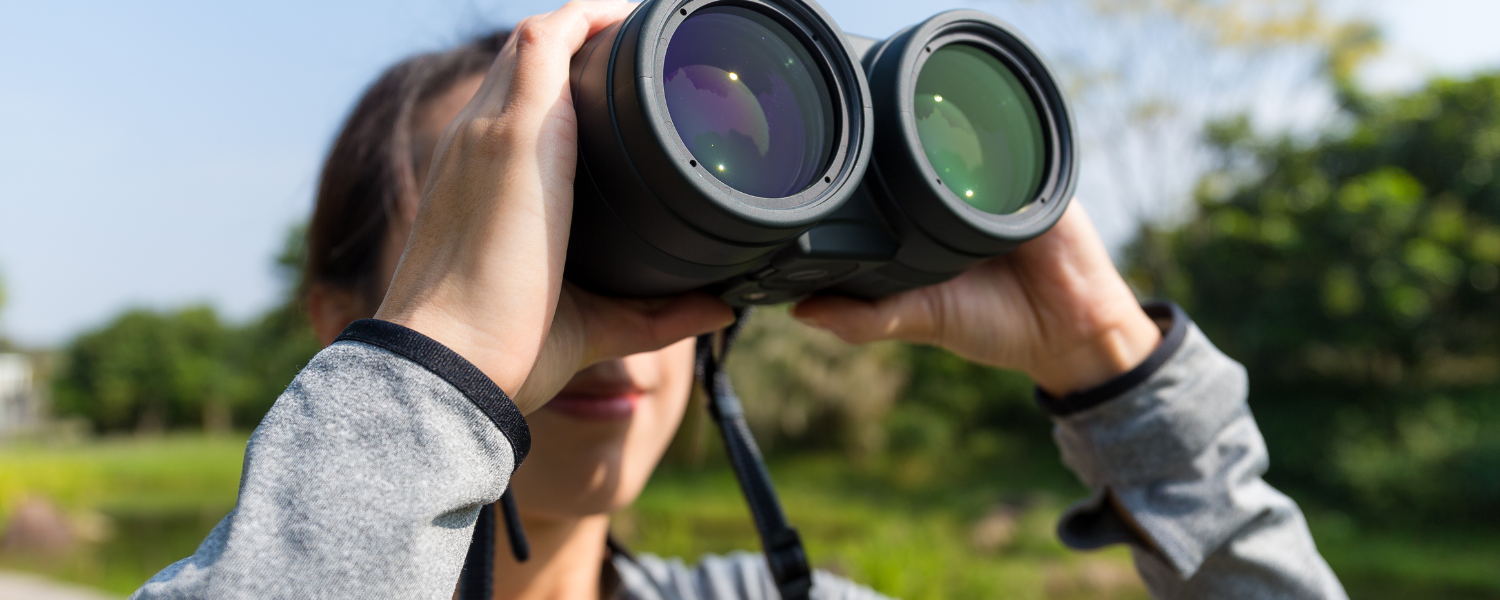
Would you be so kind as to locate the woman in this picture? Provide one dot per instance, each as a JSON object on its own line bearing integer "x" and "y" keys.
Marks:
{"x": 366, "y": 477}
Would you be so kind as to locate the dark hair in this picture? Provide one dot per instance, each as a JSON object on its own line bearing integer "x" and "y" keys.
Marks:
{"x": 373, "y": 165}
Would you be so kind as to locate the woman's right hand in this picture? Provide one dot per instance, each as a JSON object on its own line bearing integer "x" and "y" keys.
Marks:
{"x": 1055, "y": 308}
{"x": 482, "y": 270}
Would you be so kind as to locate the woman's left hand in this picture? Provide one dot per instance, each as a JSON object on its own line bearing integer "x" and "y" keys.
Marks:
{"x": 482, "y": 269}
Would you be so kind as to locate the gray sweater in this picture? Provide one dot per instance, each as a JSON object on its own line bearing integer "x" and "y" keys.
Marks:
{"x": 365, "y": 480}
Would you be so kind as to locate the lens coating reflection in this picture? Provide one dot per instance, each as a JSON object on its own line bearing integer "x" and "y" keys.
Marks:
{"x": 979, "y": 128}
{"x": 748, "y": 101}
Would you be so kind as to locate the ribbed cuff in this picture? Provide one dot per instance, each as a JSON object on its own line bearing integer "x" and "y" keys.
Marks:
{"x": 452, "y": 368}
{"x": 1173, "y": 323}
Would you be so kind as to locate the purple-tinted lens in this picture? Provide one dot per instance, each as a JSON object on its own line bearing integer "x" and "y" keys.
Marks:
{"x": 748, "y": 101}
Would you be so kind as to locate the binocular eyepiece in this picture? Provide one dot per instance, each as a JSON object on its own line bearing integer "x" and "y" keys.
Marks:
{"x": 751, "y": 149}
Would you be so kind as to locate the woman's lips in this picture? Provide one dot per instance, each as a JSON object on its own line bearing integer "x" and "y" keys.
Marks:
{"x": 614, "y": 407}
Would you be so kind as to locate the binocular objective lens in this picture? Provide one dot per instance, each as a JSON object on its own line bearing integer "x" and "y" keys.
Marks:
{"x": 979, "y": 128}
{"x": 749, "y": 102}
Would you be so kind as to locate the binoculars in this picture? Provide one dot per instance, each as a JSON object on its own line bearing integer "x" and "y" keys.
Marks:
{"x": 751, "y": 149}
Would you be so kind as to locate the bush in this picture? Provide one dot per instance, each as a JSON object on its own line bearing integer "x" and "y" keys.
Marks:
{"x": 1356, "y": 279}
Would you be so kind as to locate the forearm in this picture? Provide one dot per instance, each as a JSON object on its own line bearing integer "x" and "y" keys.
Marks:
{"x": 1175, "y": 460}
{"x": 363, "y": 481}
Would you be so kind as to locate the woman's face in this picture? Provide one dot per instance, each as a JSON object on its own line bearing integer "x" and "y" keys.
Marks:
{"x": 594, "y": 446}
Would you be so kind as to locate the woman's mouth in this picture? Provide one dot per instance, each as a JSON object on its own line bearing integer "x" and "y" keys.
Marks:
{"x": 590, "y": 407}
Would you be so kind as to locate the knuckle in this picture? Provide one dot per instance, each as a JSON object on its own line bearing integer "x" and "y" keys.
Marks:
{"x": 576, "y": 9}
{"x": 533, "y": 33}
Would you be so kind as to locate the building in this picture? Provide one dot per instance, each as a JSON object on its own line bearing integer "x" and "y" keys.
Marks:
{"x": 19, "y": 404}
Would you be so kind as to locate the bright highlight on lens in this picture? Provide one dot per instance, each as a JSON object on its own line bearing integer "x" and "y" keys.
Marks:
{"x": 979, "y": 129}
{"x": 742, "y": 90}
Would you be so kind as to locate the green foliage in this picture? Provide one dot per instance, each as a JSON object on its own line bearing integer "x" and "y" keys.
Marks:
{"x": 150, "y": 370}
{"x": 911, "y": 543}
{"x": 1356, "y": 279}
{"x": 956, "y": 409}
{"x": 804, "y": 388}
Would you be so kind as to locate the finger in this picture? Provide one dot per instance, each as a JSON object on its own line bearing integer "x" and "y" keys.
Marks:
{"x": 910, "y": 316}
{"x": 617, "y": 328}
{"x": 542, "y": 48}
{"x": 1073, "y": 240}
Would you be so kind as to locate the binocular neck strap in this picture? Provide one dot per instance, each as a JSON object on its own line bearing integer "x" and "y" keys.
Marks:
{"x": 477, "y": 580}
{"x": 782, "y": 544}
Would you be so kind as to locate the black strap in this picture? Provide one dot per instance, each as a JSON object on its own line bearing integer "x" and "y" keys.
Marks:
{"x": 1173, "y": 323}
{"x": 477, "y": 581}
{"x": 783, "y": 546}
{"x": 519, "y": 547}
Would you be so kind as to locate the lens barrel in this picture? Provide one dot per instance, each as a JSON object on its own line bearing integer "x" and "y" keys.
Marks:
{"x": 974, "y": 148}
{"x": 711, "y": 134}
{"x": 750, "y": 149}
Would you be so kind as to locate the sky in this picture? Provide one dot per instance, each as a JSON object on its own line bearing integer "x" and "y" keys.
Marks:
{"x": 154, "y": 154}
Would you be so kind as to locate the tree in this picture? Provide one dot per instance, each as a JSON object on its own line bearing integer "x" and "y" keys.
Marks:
{"x": 1356, "y": 279}
{"x": 150, "y": 370}
{"x": 807, "y": 388}
{"x": 1144, "y": 76}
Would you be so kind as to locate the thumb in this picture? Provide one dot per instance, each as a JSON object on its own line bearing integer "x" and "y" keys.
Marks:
{"x": 908, "y": 316}
{"x": 620, "y": 327}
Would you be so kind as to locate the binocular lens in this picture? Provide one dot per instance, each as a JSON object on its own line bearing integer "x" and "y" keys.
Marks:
{"x": 979, "y": 128}
{"x": 749, "y": 101}
{"x": 724, "y": 147}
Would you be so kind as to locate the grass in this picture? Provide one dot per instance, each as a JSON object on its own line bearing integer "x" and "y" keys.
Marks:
{"x": 911, "y": 541}
{"x": 907, "y": 528}
{"x": 168, "y": 474}
{"x": 1453, "y": 565}
{"x": 145, "y": 502}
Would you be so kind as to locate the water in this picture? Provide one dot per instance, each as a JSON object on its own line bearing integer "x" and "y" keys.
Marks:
{"x": 138, "y": 545}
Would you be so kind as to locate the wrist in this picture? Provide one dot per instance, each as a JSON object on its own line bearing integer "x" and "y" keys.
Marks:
{"x": 1109, "y": 352}
{"x": 498, "y": 361}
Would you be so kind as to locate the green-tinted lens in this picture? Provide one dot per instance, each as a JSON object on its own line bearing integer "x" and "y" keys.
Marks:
{"x": 980, "y": 129}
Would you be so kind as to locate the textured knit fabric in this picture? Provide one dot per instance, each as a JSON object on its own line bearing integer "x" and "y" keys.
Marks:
{"x": 1182, "y": 456}
{"x": 365, "y": 479}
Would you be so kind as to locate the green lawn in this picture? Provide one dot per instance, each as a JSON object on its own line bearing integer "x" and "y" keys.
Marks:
{"x": 146, "y": 501}
{"x": 897, "y": 526}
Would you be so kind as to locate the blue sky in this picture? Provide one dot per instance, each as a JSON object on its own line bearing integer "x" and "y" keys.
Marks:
{"x": 154, "y": 154}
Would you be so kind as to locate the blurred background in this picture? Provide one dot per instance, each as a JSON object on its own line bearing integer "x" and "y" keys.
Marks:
{"x": 1314, "y": 181}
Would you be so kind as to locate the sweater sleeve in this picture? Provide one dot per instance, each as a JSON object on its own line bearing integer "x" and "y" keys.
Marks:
{"x": 363, "y": 481}
{"x": 1175, "y": 460}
